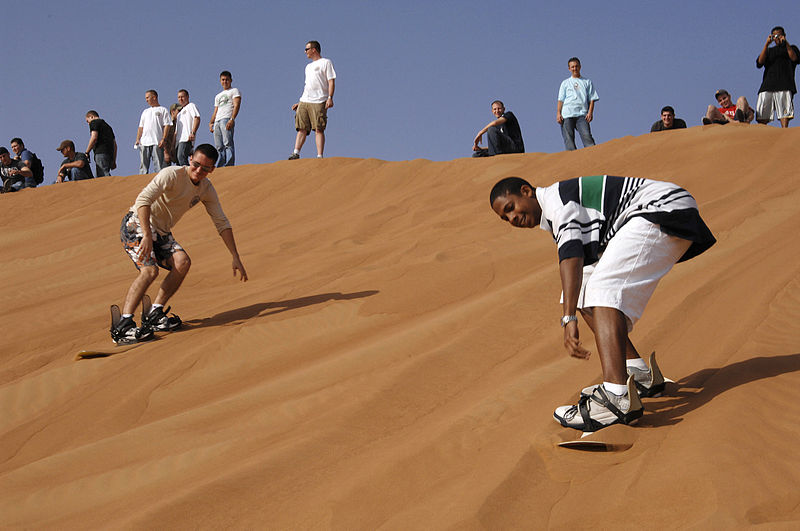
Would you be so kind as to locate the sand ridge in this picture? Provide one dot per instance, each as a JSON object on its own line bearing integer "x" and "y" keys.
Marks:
{"x": 395, "y": 358}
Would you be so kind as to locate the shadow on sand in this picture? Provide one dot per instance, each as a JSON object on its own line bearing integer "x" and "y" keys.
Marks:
{"x": 698, "y": 389}
{"x": 256, "y": 310}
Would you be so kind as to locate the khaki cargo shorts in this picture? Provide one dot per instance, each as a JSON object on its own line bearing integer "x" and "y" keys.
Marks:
{"x": 311, "y": 116}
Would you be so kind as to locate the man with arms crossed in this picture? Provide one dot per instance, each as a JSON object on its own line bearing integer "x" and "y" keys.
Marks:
{"x": 223, "y": 119}
{"x": 317, "y": 98}
{"x": 616, "y": 238}
{"x": 147, "y": 238}
{"x": 186, "y": 127}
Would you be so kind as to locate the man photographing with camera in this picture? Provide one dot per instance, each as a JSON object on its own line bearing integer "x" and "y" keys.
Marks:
{"x": 778, "y": 87}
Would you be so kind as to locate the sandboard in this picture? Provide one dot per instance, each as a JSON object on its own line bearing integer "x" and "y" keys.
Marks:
{"x": 100, "y": 353}
{"x": 616, "y": 438}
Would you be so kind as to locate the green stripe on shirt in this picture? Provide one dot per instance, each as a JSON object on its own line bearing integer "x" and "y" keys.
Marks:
{"x": 592, "y": 192}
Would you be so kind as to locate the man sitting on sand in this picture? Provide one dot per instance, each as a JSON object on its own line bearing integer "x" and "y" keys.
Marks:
{"x": 147, "y": 238}
{"x": 503, "y": 134}
{"x": 727, "y": 111}
{"x": 616, "y": 238}
{"x": 668, "y": 121}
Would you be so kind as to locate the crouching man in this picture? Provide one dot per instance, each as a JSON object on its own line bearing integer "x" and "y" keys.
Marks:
{"x": 616, "y": 238}
{"x": 147, "y": 238}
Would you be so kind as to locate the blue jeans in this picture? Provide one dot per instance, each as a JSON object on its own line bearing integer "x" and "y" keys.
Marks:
{"x": 500, "y": 142}
{"x": 568, "y": 132}
{"x": 223, "y": 140}
{"x": 102, "y": 164}
{"x": 79, "y": 174}
{"x": 184, "y": 150}
{"x": 150, "y": 152}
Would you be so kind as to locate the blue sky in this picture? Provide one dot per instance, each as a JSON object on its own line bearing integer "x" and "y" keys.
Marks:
{"x": 415, "y": 79}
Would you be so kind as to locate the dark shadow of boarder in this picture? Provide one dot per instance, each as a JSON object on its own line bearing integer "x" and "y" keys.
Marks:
{"x": 256, "y": 310}
{"x": 696, "y": 390}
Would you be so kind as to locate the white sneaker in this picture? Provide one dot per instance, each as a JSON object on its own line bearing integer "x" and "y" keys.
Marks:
{"x": 601, "y": 409}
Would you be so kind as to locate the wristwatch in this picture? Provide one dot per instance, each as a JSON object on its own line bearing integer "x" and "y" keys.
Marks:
{"x": 568, "y": 318}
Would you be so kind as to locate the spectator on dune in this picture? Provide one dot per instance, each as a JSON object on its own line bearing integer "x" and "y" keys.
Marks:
{"x": 777, "y": 87}
{"x": 223, "y": 119}
{"x": 311, "y": 112}
{"x": 170, "y": 141}
{"x": 186, "y": 126}
{"x": 728, "y": 111}
{"x": 503, "y": 134}
{"x": 13, "y": 172}
{"x": 104, "y": 144}
{"x": 75, "y": 166}
{"x": 667, "y": 121}
{"x": 29, "y": 159}
{"x": 152, "y": 133}
{"x": 575, "y": 109}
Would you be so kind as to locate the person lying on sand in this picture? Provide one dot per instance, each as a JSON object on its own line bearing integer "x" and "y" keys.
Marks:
{"x": 147, "y": 238}
{"x": 616, "y": 238}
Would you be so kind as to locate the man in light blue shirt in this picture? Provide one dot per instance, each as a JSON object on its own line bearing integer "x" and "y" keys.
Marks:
{"x": 576, "y": 98}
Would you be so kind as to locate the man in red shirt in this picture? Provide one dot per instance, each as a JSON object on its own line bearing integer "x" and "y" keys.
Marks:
{"x": 728, "y": 111}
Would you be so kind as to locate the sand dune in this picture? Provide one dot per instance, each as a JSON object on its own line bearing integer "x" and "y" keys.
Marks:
{"x": 395, "y": 358}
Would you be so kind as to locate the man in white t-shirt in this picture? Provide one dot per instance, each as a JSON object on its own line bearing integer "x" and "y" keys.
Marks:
{"x": 186, "y": 127}
{"x": 312, "y": 109}
{"x": 226, "y": 108}
{"x": 152, "y": 134}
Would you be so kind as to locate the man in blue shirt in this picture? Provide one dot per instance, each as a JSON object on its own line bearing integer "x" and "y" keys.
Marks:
{"x": 576, "y": 98}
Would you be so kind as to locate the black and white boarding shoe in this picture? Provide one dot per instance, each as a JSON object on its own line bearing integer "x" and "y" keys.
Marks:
{"x": 601, "y": 409}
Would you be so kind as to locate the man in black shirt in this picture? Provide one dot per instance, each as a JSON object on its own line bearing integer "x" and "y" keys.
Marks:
{"x": 504, "y": 135}
{"x": 778, "y": 87}
{"x": 668, "y": 121}
{"x": 75, "y": 166}
{"x": 103, "y": 142}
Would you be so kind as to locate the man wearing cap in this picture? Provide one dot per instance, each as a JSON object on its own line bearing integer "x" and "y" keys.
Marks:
{"x": 668, "y": 121}
{"x": 727, "y": 111}
{"x": 777, "y": 87}
{"x": 75, "y": 166}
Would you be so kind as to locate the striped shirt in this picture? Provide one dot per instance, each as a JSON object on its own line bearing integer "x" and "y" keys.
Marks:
{"x": 583, "y": 214}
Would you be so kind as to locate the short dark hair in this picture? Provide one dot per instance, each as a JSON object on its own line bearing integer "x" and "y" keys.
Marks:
{"x": 3, "y": 151}
{"x": 208, "y": 150}
{"x": 575, "y": 59}
{"x": 500, "y": 102}
{"x": 509, "y": 185}
{"x": 778, "y": 28}
{"x": 667, "y": 108}
{"x": 92, "y": 113}
{"x": 226, "y": 73}
{"x": 184, "y": 91}
{"x": 153, "y": 92}
{"x": 316, "y": 45}
{"x": 18, "y": 140}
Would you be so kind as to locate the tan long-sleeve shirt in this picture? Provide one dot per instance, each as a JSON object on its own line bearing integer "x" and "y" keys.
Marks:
{"x": 172, "y": 193}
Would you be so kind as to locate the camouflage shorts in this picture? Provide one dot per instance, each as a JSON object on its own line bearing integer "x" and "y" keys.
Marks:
{"x": 163, "y": 246}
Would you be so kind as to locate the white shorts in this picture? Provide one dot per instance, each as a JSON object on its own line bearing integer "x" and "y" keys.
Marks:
{"x": 629, "y": 269}
{"x": 774, "y": 106}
